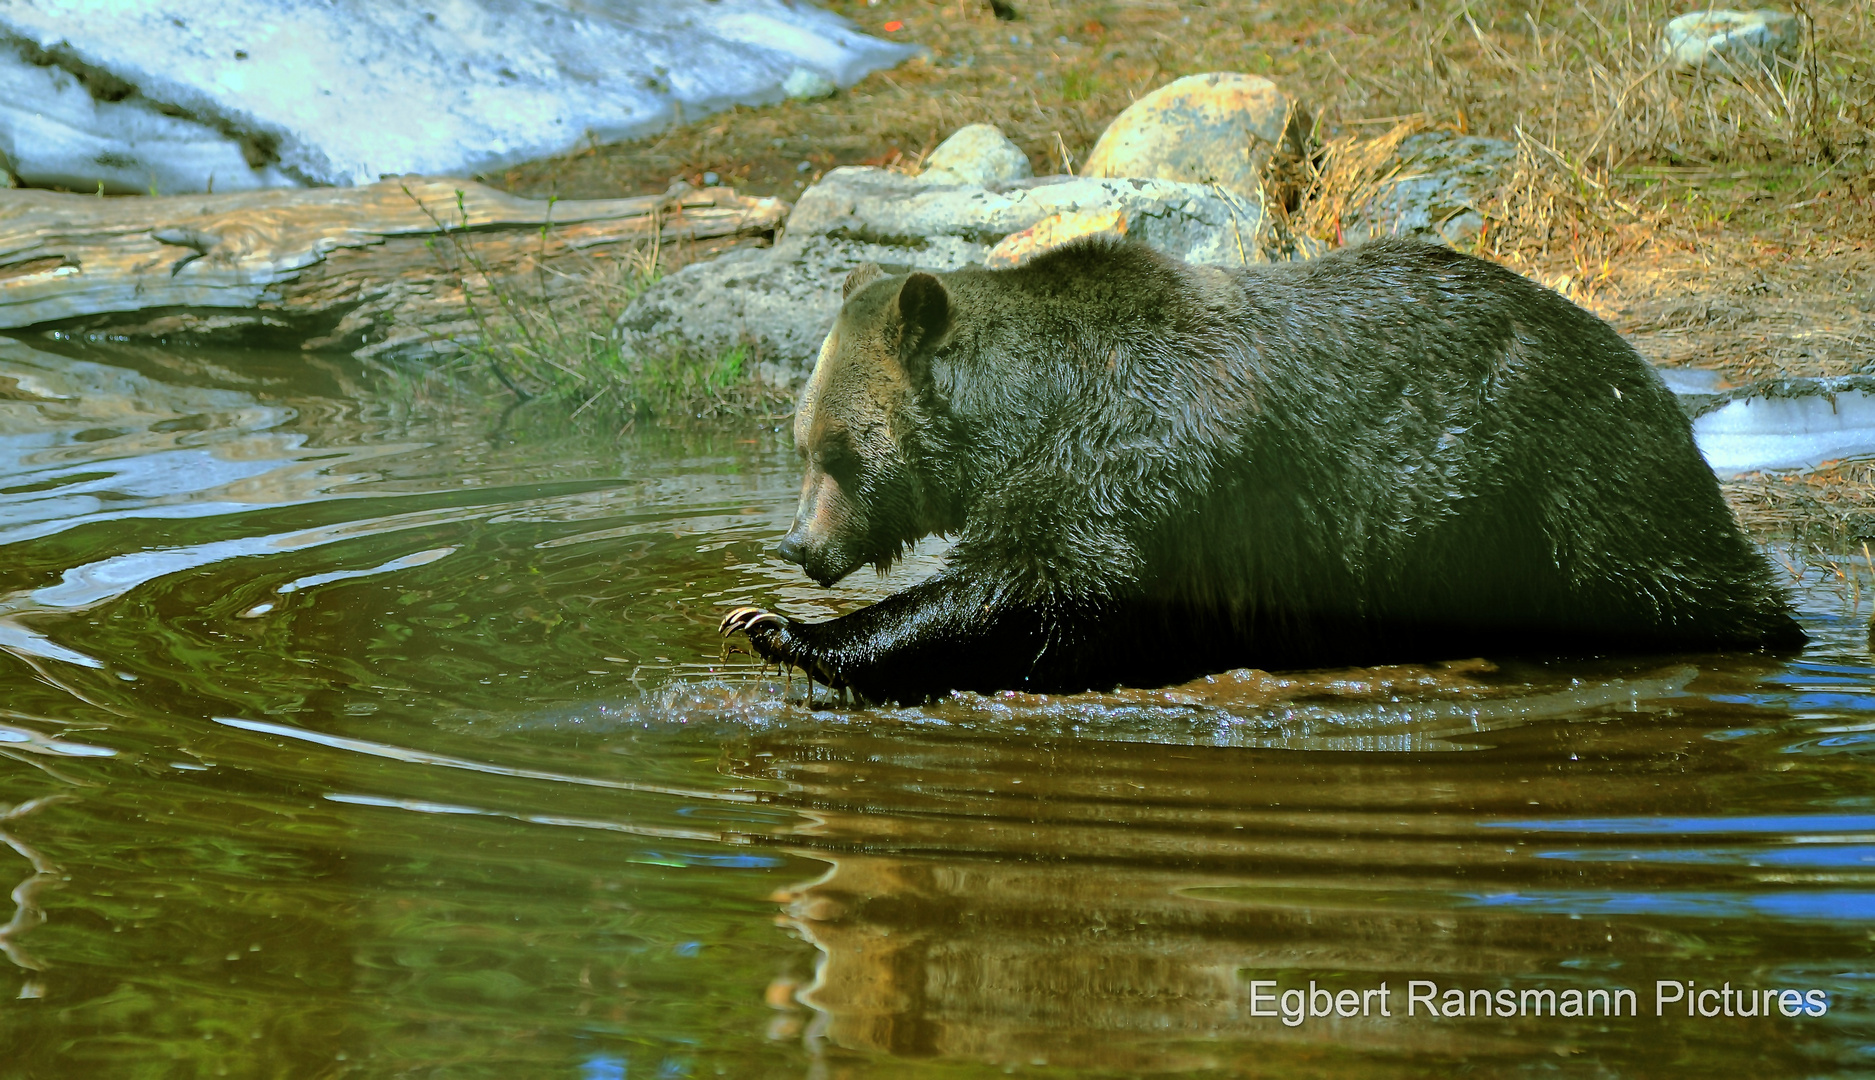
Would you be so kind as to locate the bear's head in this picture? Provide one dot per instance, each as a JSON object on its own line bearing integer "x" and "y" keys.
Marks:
{"x": 870, "y": 429}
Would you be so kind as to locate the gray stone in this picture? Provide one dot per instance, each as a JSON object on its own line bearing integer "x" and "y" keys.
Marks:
{"x": 945, "y": 226}
{"x": 803, "y": 84}
{"x": 977, "y": 154}
{"x": 782, "y": 300}
{"x": 255, "y": 93}
{"x": 1719, "y": 39}
{"x": 1440, "y": 181}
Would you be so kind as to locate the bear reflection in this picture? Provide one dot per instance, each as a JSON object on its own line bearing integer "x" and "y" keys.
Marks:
{"x": 1125, "y": 967}
{"x": 1008, "y": 898}
{"x": 1084, "y": 881}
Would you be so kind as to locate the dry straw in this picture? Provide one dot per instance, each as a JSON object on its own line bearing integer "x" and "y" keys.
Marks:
{"x": 1600, "y": 117}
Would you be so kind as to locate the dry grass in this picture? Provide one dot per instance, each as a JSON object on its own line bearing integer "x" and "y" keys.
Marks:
{"x": 1821, "y": 524}
{"x": 1604, "y": 126}
{"x": 1821, "y": 506}
{"x": 1313, "y": 196}
{"x": 1660, "y": 197}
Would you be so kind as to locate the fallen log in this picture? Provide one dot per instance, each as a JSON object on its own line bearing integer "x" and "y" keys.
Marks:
{"x": 386, "y": 269}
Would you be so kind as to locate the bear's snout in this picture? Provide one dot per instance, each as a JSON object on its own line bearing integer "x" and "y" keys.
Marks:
{"x": 825, "y": 563}
{"x": 792, "y": 549}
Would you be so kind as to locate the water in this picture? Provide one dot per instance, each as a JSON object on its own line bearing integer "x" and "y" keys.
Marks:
{"x": 352, "y": 733}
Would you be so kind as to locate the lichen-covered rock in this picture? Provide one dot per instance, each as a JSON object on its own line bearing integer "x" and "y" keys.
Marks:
{"x": 1714, "y": 38}
{"x": 976, "y": 154}
{"x": 782, "y": 300}
{"x": 947, "y": 226}
{"x": 1218, "y": 128}
{"x": 1054, "y": 231}
{"x": 1435, "y": 190}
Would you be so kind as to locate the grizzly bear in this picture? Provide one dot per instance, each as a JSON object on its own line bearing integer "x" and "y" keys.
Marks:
{"x": 1156, "y": 470}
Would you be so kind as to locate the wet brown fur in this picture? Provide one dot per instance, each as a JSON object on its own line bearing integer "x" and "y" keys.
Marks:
{"x": 1156, "y": 470}
{"x": 855, "y": 427}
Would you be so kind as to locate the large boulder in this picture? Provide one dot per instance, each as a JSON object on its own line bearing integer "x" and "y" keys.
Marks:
{"x": 779, "y": 300}
{"x": 948, "y": 226}
{"x": 782, "y": 300}
{"x": 1219, "y": 128}
{"x": 184, "y": 95}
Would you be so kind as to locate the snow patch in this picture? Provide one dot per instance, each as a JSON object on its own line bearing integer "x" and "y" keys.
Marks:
{"x": 1754, "y": 433}
{"x": 178, "y": 95}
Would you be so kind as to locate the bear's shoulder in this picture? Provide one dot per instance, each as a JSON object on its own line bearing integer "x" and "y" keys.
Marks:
{"x": 1094, "y": 263}
{"x": 1093, "y": 281}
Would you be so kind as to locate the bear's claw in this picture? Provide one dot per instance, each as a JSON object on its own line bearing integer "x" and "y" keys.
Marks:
{"x": 745, "y": 619}
{"x": 772, "y": 650}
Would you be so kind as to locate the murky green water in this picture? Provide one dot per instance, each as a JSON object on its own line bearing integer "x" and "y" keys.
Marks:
{"x": 351, "y": 736}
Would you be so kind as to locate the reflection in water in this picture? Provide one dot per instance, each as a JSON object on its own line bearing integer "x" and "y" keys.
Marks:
{"x": 352, "y": 730}
{"x": 1096, "y": 904}
{"x": 26, "y": 911}
{"x": 83, "y": 442}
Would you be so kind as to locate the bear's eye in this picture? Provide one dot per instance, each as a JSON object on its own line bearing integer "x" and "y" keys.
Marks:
{"x": 838, "y": 460}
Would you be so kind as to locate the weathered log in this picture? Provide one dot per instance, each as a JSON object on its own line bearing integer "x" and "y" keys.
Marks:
{"x": 389, "y": 268}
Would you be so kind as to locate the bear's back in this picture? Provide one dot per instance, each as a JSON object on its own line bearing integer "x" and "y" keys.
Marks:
{"x": 1394, "y": 436}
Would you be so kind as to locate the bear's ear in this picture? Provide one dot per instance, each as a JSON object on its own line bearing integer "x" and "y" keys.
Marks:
{"x": 862, "y": 275}
{"x": 924, "y": 312}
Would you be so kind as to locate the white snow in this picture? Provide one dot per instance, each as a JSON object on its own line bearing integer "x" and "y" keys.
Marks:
{"x": 1751, "y": 434}
{"x": 345, "y": 91}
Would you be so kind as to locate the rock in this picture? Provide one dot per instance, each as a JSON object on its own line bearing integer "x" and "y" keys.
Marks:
{"x": 947, "y": 226}
{"x": 1218, "y": 128}
{"x": 780, "y": 300}
{"x": 1715, "y": 38}
{"x": 175, "y": 96}
{"x": 783, "y": 300}
{"x": 1054, "y": 231}
{"x": 1434, "y": 186}
{"x": 976, "y": 154}
{"x": 803, "y": 84}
